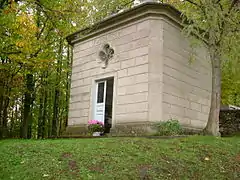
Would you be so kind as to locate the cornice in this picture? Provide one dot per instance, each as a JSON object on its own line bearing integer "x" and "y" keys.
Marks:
{"x": 149, "y": 9}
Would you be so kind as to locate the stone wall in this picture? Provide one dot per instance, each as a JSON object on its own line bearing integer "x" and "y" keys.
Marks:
{"x": 129, "y": 67}
{"x": 155, "y": 70}
{"x": 153, "y": 77}
{"x": 187, "y": 85}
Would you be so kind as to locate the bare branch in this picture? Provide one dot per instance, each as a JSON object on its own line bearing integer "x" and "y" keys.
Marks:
{"x": 43, "y": 28}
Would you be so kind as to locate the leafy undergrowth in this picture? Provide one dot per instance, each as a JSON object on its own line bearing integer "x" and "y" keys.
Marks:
{"x": 121, "y": 158}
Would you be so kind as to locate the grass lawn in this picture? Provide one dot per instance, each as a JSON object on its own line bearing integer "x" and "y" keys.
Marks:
{"x": 192, "y": 158}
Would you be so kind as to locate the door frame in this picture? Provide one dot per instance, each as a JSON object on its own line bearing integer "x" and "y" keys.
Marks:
{"x": 95, "y": 79}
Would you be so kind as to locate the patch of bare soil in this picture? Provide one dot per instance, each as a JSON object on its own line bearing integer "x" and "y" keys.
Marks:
{"x": 66, "y": 155}
{"x": 143, "y": 171}
{"x": 72, "y": 166}
{"x": 97, "y": 168}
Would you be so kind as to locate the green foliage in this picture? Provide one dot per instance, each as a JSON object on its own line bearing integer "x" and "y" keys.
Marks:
{"x": 95, "y": 128}
{"x": 229, "y": 122}
{"x": 168, "y": 128}
{"x": 32, "y": 37}
{"x": 201, "y": 17}
{"x": 197, "y": 157}
{"x": 231, "y": 82}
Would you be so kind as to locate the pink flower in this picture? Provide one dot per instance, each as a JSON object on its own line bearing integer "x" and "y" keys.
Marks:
{"x": 95, "y": 126}
{"x": 95, "y": 122}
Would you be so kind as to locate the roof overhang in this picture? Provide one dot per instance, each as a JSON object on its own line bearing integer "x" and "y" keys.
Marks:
{"x": 130, "y": 15}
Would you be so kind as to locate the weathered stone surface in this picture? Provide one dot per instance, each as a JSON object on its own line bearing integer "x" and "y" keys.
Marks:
{"x": 153, "y": 77}
{"x": 132, "y": 129}
{"x": 131, "y": 108}
{"x": 76, "y": 130}
{"x": 133, "y": 89}
{"x": 187, "y": 86}
{"x": 132, "y": 98}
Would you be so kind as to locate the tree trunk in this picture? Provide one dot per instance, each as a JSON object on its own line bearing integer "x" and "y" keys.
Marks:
{"x": 1, "y": 109}
{"x": 55, "y": 114}
{"x": 5, "y": 117}
{"x": 40, "y": 118}
{"x": 55, "y": 121}
{"x": 5, "y": 92}
{"x": 30, "y": 122}
{"x": 212, "y": 127}
{"x": 44, "y": 118}
{"x": 69, "y": 66}
{"x": 16, "y": 132}
{"x": 12, "y": 121}
{"x": 60, "y": 124}
{"x": 49, "y": 117}
{"x": 27, "y": 105}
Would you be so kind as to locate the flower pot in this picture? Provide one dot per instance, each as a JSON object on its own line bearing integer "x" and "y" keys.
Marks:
{"x": 96, "y": 134}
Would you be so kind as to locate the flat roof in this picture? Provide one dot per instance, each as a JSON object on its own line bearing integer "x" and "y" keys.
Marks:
{"x": 129, "y": 15}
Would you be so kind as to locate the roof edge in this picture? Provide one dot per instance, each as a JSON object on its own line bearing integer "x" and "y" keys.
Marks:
{"x": 127, "y": 16}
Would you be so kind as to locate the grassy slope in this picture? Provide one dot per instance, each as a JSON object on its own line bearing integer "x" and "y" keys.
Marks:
{"x": 121, "y": 158}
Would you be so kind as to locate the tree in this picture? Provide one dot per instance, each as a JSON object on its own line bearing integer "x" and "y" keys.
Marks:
{"x": 35, "y": 61}
{"x": 214, "y": 23}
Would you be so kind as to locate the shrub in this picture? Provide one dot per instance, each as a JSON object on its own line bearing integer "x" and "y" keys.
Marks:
{"x": 95, "y": 126}
{"x": 169, "y": 128}
{"x": 229, "y": 122}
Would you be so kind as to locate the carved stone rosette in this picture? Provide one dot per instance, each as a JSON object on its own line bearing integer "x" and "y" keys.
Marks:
{"x": 105, "y": 55}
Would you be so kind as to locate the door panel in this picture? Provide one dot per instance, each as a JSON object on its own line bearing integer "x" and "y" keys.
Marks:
{"x": 100, "y": 101}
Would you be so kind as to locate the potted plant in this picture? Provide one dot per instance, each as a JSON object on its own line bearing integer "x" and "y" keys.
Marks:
{"x": 95, "y": 127}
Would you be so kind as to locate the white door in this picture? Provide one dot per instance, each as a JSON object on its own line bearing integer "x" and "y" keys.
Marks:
{"x": 99, "y": 113}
